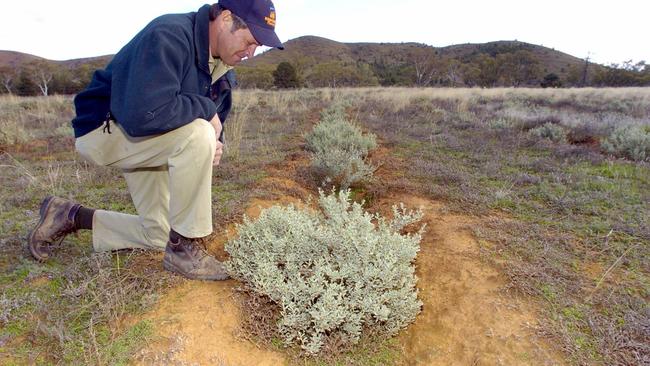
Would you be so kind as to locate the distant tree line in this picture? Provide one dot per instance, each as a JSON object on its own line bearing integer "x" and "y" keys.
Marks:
{"x": 519, "y": 68}
{"x": 47, "y": 78}
{"x": 627, "y": 73}
{"x": 490, "y": 66}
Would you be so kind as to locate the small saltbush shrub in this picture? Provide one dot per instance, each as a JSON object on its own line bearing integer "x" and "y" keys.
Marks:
{"x": 500, "y": 124}
{"x": 334, "y": 272}
{"x": 336, "y": 111}
{"x": 339, "y": 149}
{"x": 551, "y": 131}
{"x": 339, "y": 134}
{"x": 341, "y": 168}
{"x": 632, "y": 142}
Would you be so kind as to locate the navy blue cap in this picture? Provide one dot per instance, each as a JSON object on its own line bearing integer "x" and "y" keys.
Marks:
{"x": 259, "y": 16}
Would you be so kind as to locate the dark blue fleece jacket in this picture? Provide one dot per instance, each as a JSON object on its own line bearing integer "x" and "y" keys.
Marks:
{"x": 158, "y": 82}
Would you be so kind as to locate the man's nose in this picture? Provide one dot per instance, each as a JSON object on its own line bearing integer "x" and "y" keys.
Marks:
{"x": 251, "y": 51}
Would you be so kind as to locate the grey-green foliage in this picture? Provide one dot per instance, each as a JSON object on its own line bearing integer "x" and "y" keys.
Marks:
{"x": 632, "y": 142}
{"x": 339, "y": 149}
{"x": 341, "y": 167}
{"x": 551, "y": 131}
{"x": 335, "y": 132}
{"x": 500, "y": 123}
{"x": 333, "y": 272}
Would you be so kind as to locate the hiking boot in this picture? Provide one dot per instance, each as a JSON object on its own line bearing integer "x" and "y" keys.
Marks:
{"x": 57, "y": 221}
{"x": 188, "y": 258}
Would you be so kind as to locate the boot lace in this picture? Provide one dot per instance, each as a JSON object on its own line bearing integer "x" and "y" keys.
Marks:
{"x": 198, "y": 249}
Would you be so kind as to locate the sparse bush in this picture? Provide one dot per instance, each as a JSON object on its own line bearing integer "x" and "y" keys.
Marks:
{"x": 551, "y": 131}
{"x": 632, "y": 142}
{"x": 13, "y": 132}
{"x": 339, "y": 134}
{"x": 585, "y": 133}
{"x": 339, "y": 148}
{"x": 64, "y": 130}
{"x": 551, "y": 81}
{"x": 285, "y": 76}
{"x": 333, "y": 272}
{"x": 342, "y": 168}
{"x": 537, "y": 120}
{"x": 500, "y": 124}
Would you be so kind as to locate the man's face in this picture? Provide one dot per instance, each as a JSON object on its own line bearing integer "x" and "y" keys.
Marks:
{"x": 231, "y": 46}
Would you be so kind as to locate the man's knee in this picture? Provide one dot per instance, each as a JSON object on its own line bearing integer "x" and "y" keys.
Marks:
{"x": 203, "y": 136}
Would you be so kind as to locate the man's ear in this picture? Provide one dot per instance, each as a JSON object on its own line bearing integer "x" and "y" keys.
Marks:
{"x": 226, "y": 18}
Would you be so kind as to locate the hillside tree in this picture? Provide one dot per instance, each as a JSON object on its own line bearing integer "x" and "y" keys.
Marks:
{"x": 255, "y": 77}
{"x": 517, "y": 68}
{"x": 454, "y": 73}
{"x": 333, "y": 74}
{"x": 488, "y": 74}
{"x": 392, "y": 74}
{"x": 285, "y": 76}
{"x": 41, "y": 72}
{"x": 25, "y": 85}
{"x": 8, "y": 78}
{"x": 424, "y": 65}
{"x": 302, "y": 63}
{"x": 551, "y": 81}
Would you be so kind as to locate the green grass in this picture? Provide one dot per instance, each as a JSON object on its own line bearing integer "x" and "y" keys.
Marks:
{"x": 369, "y": 352}
{"x": 119, "y": 351}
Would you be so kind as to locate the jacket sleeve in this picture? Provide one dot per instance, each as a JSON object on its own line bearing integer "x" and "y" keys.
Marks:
{"x": 221, "y": 95}
{"x": 146, "y": 97}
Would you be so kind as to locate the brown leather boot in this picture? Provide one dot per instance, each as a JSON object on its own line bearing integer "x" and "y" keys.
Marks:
{"x": 188, "y": 258}
{"x": 57, "y": 221}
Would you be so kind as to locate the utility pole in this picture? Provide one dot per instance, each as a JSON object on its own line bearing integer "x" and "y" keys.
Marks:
{"x": 584, "y": 71}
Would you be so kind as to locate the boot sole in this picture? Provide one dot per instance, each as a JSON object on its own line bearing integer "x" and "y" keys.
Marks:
{"x": 30, "y": 239}
{"x": 175, "y": 269}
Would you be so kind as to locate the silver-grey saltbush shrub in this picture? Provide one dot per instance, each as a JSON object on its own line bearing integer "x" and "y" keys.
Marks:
{"x": 632, "y": 142}
{"x": 551, "y": 131}
{"x": 339, "y": 149}
{"x": 333, "y": 272}
{"x": 341, "y": 135}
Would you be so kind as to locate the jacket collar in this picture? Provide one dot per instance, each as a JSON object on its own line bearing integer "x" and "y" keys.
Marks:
{"x": 201, "y": 37}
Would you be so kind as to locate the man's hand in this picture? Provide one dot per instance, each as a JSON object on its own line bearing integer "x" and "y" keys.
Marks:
{"x": 216, "y": 123}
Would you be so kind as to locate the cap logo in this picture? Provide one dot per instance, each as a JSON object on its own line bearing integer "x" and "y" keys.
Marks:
{"x": 270, "y": 20}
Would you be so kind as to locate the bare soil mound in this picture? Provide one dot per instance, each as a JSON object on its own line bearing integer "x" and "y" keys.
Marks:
{"x": 466, "y": 318}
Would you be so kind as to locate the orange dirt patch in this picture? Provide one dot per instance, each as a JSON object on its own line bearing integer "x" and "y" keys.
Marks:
{"x": 466, "y": 319}
{"x": 196, "y": 324}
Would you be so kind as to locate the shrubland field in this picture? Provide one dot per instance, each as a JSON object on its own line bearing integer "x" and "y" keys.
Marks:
{"x": 536, "y": 251}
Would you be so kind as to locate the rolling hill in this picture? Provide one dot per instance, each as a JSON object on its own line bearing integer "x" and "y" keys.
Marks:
{"x": 318, "y": 49}
{"x": 391, "y": 63}
{"x": 15, "y": 59}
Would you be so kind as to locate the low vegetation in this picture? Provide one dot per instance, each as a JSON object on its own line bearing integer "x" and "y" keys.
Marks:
{"x": 339, "y": 150}
{"x": 333, "y": 274}
{"x": 558, "y": 178}
{"x": 573, "y": 229}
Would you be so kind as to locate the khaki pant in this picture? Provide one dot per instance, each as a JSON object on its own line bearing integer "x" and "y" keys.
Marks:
{"x": 169, "y": 177}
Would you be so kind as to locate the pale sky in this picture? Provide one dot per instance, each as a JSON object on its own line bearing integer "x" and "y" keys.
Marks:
{"x": 607, "y": 31}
